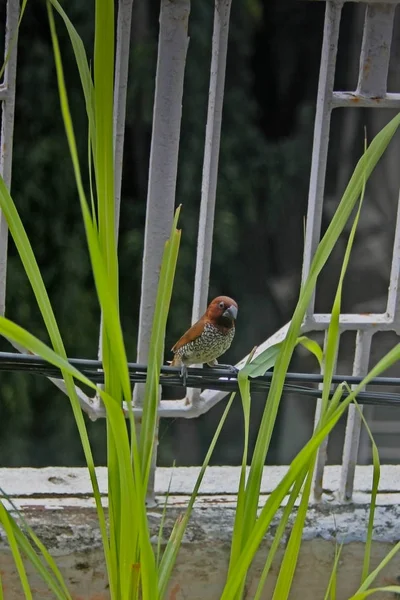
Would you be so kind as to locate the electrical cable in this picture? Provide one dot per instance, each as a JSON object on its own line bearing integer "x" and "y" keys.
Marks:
{"x": 214, "y": 378}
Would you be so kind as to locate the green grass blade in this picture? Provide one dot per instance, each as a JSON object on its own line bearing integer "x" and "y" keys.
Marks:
{"x": 156, "y": 349}
{"x": 163, "y": 517}
{"x": 103, "y": 282}
{"x": 125, "y": 500}
{"x": 104, "y": 171}
{"x": 352, "y": 193}
{"x": 19, "y": 335}
{"x": 31, "y": 268}
{"x": 237, "y": 537}
{"x": 335, "y": 400}
{"x": 48, "y": 577}
{"x": 174, "y": 543}
{"x": 14, "y": 40}
{"x": 330, "y": 593}
{"x": 313, "y": 347}
{"x": 333, "y": 334}
{"x": 287, "y": 511}
{"x": 272, "y": 505}
{"x": 55, "y": 572}
{"x": 6, "y": 522}
{"x": 104, "y": 152}
{"x": 394, "y": 589}
{"x": 373, "y": 575}
{"x": 288, "y": 566}
{"x": 375, "y": 484}
{"x": 257, "y": 532}
{"x": 91, "y": 184}
{"x": 263, "y": 362}
{"x": 83, "y": 67}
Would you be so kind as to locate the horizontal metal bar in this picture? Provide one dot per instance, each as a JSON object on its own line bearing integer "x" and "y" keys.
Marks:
{"x": 351, "y": 322}
{"x": 355, "y": 100}
{"x": 3, "y": 91}
{"x": 316, "y": 322}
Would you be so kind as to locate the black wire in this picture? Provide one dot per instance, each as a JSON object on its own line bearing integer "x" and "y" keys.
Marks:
{"x": 218, "y": 379}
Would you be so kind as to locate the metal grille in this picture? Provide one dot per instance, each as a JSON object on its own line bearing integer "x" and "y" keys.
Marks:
{"x": 371, "y": 92}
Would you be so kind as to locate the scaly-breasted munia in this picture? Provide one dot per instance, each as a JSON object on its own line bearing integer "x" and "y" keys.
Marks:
{"x": 207, "y": 339}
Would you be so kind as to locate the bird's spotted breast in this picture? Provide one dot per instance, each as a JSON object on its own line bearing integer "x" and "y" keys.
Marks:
{"x": 207, "y": 347}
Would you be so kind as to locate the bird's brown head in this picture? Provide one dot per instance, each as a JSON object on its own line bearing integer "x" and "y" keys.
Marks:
{"x": 222, "y": 311}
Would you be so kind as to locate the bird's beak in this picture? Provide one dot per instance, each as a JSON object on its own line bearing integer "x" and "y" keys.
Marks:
{"x": 231, "y": 313}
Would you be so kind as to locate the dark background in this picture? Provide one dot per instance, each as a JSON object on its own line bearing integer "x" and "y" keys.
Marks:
{"x": 271, "y": 84}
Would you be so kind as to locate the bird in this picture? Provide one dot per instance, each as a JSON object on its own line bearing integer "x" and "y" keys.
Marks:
{"x": 209, "y": 338}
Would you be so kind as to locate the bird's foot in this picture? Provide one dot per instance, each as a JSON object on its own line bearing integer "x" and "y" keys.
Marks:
{"x": 230, "y": 368}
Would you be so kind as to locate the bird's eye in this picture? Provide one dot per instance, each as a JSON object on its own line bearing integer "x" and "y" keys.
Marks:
{"x": 221, "y": 305}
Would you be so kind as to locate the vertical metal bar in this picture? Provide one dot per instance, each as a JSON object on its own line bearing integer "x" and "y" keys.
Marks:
{"x": 211, "y": 156}
{"x": 7, "y": 130}
{"x": 393, "y": 303}
{"x": 210, "y": 162}
{"x": 172, "y": 49}
{"x": 120, "y": 89}
{"x": 375, "y": 50}
{"x": 353, "y": 427}
{"x": 323, "y": 448}
{"x": 322, "y": 457}
{"x": 321, "y": 136}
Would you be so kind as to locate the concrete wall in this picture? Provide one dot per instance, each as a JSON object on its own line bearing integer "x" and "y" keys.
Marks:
{"x": 57, "y": 503}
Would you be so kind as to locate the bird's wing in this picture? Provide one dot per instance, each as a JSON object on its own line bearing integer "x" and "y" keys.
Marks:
{"x": 194, "y": 332}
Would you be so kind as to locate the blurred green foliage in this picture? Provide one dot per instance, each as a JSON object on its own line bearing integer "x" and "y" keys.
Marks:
{"x": 261, "y": 202}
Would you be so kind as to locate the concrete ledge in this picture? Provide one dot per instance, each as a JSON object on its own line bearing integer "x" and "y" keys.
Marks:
{"x": 57, "y": 503}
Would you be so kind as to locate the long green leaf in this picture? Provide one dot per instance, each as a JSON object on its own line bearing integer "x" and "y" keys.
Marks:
{"x": 84, "y": 71}
{"x": 156, "y": 349}
{"x": 353, "y": 191}
{"x": 53, "y": 577}
{"x": 273, "y": 502}
{"x": 237, "y": 537}
{"x": 389, "y": 589}
{"x": 372, "y": 576}
{"x": 14, "y": 39}
{"x": 288, "y": 566}
{"x": 331, "y": 589}
{"x": 6, "y": 522}
{"x": 287, "y": 511}
{"x": 25, "y": 252}
{"x": 174, "y": 543}
{"x": 374, "y": 493}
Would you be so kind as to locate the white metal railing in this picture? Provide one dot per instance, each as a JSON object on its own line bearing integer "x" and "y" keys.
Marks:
{"x": 173, "y": 42}
{"x": 7, "y": 97}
